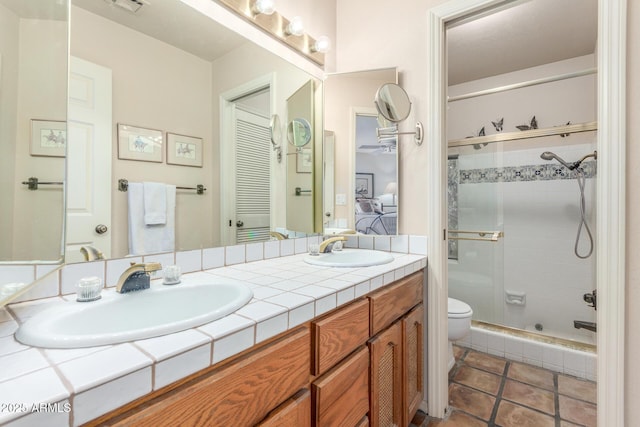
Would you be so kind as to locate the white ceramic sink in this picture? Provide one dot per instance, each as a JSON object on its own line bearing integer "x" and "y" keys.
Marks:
{"x": 350, "y": 258}
{"x": 118, "y": 318}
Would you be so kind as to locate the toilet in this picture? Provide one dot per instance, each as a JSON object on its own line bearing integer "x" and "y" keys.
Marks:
{"x": 459, "y": 324}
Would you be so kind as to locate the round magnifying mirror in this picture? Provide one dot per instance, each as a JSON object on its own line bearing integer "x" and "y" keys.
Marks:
{"x": 393, "y": 102}
{"x": 276, "y": 130}
{"x": 299, "y": 132}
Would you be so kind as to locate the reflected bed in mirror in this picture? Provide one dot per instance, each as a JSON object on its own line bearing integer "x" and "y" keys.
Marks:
{"x": 361, "y": 170}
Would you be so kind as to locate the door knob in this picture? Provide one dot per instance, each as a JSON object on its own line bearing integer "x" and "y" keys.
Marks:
{"x": 101, "y": 228}
{"x": 239, "y": 223}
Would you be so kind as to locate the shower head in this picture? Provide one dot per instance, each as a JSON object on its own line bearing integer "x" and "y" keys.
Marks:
{"x": 548, "y": 155}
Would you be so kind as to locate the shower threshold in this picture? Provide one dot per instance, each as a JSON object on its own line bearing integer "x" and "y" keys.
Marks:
{"x": 547, "y": 337}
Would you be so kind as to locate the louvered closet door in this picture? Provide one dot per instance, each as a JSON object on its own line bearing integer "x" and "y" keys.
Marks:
{"x": 253, "y": 177}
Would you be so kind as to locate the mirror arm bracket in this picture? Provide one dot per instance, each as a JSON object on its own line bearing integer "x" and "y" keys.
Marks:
{"x": 388, "y": 133}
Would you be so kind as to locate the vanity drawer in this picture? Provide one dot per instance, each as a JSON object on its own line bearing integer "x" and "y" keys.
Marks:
{"x": 339, "y": 333}
{"x": 240, "y": 394}
{"x": 294, "y": 412}
{"x": 390, "y": 303}
{"x": 341, "y": 396}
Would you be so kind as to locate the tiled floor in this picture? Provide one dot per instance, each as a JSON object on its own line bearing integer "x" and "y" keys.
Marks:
{"x": 487, "y": 391}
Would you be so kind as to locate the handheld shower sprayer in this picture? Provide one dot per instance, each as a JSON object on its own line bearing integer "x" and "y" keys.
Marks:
{"x": 580, "y": 177}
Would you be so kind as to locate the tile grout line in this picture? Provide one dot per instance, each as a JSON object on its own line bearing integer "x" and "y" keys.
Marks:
{"x": 503, "y": 382}
{"x": 556, "y": 399}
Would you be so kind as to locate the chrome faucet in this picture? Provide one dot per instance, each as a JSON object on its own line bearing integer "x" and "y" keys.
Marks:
{"x": 136, "y": 277}
{"x": 327, "y": 245}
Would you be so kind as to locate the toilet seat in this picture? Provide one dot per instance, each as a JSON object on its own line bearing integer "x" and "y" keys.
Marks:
{"x": 458, "y": 309}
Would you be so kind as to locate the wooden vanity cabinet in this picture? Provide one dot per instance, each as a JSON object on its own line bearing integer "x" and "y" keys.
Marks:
{"x": 239, "y": 394}
{"x": 396, "y": 352}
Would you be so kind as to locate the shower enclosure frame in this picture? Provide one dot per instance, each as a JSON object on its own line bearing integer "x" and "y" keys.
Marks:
{"x": 610, "y": 203}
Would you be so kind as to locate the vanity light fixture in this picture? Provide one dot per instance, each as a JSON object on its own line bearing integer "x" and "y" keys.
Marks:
{"x": 263, "y": 7}
{"x": 295, "y": 27}
{"x": 263, "y": 15}
{"x": 322, "y": 45}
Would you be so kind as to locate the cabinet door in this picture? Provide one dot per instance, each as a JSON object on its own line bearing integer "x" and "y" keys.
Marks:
{"x": 412, "y": 341}
{"x": 386, "y": 408}
{"x": 341, "y": 396}
{"x": 338, "y": 334}
{"x": 390, "y": 303}
{"x": 294, "y": 412}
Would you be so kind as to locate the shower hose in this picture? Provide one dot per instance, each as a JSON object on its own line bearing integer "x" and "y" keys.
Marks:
{"x": 583, "y": 217}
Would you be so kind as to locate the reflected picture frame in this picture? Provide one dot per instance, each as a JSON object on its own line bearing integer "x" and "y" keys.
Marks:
{"x": 48, "y": 138}
{"x": 364, "y": 185}
{"x": 304, "y": 160}
{"x": 138, "y": 143}
{"x": 184, "y": 150}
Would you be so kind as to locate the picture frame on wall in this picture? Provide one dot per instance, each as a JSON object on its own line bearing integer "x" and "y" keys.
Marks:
{"x": 141, "y": 144}
{"x": 184, "y": 150}
{"x": 48, "y": 138}
{"x": 304, "y": 160}
{"x": 364, "y": 185}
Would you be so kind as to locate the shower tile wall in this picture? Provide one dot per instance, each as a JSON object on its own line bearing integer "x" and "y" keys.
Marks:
{"x": 539, "y": 217}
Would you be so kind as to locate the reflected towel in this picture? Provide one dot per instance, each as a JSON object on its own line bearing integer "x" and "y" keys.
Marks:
{"x": 155, "y": 203}
{"x": 148, "y": 239}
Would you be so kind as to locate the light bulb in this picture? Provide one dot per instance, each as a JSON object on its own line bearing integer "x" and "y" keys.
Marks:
{"x": 322, "y": 45}
{"x": 295, "y": 27}
{"x": 264, "y": 7}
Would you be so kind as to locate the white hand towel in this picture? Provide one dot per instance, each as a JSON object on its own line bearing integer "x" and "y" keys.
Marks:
{"x": 150, "y": 239}
{"x": 155, "y": 203}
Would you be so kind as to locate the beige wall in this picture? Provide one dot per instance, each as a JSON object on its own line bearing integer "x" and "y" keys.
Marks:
{"x": 9, "y": 32}
{"x": 155, "y": 86}
{"x": 632, "y": 410}
{"x": 37, "y": 215}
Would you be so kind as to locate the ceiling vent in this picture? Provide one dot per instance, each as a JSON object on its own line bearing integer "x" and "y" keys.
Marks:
{"x": 129, "y": 5}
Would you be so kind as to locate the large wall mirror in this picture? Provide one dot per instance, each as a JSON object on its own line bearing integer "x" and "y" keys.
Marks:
{"x": 33, "y": 106}
{"x": 206, "y": 95}
{"x": 361, "y": 169}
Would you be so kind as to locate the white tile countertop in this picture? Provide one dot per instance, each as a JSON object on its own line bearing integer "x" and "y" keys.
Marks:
{"x": 63, "y": 387}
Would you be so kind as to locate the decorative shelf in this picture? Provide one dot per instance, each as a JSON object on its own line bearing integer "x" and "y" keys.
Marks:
{"x": 533, "y": 133}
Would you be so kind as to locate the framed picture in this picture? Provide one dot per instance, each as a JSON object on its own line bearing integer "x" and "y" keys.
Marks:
{"x": 48, "y": 138}
{"x": 184, "y": 150}
{"x": 136, "y": 143}
{"x": 364, "y": 184}
{"x": 304, "y": 160}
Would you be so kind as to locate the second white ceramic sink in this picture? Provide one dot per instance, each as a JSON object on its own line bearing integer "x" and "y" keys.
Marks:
{"x": 118, "y": 318}
{"x": 350, "y": 258}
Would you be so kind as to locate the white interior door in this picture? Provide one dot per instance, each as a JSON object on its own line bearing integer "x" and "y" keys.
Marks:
{"x": 253, "y": 177}
{"x": 88, "y": 159}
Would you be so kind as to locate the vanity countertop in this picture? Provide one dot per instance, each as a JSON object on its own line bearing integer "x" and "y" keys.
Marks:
{"x": 72, "y": 386}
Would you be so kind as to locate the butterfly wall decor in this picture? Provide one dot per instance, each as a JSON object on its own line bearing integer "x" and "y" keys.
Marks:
{"x": 532, "y": 125}
{"x": 498, "y": 124}
{"x": 562, "y": 135}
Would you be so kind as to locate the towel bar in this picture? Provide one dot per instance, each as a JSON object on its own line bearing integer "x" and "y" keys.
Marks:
{"x": 123, "y": 185}
{"x": 33, "y": 183}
